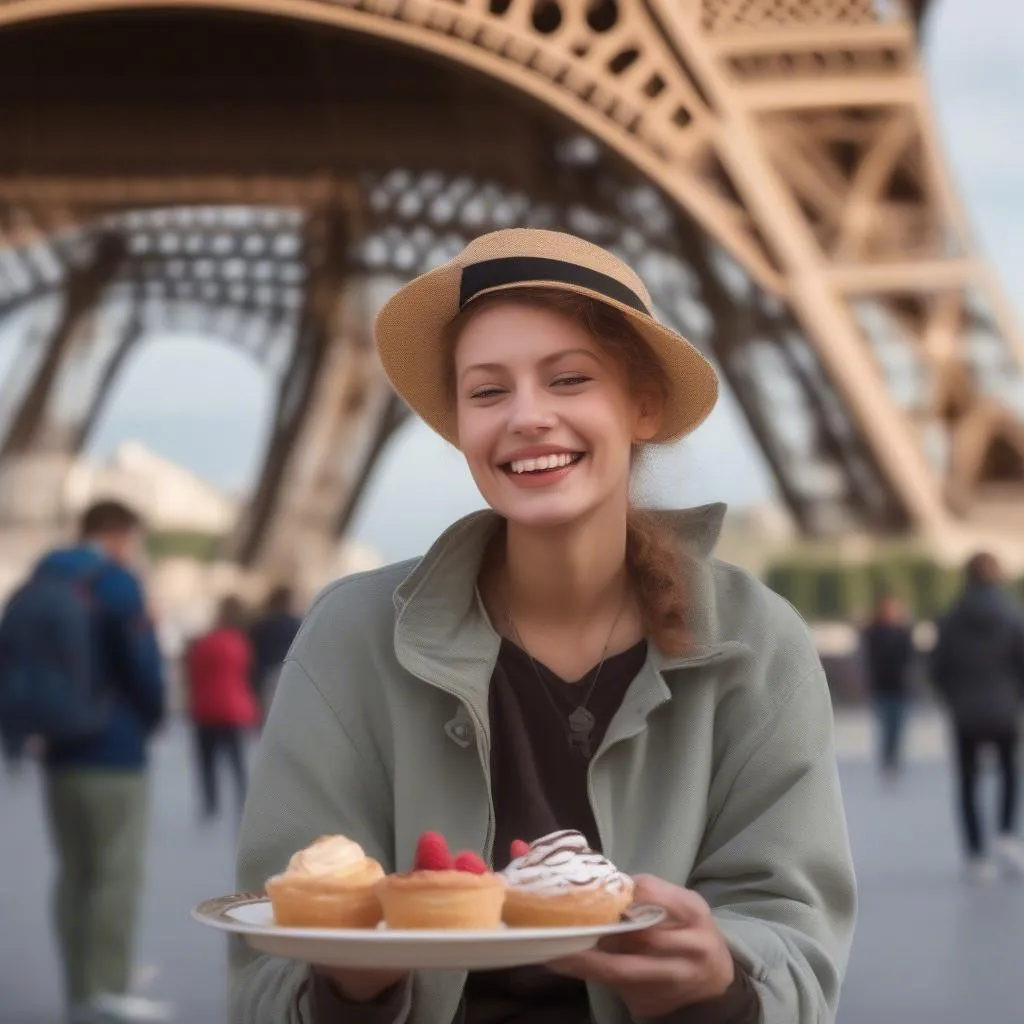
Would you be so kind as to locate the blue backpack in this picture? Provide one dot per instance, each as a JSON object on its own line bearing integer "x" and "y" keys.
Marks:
{"x": 48, "y": 634}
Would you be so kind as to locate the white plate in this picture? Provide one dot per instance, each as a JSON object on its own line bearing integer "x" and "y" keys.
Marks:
{"x": 251, "y": 917}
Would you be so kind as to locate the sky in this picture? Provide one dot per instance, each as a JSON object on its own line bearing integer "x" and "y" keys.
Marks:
{"x": 205, "y": 406}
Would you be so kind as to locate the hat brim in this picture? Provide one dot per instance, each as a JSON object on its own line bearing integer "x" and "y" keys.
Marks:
{"x": 409, "y": 332}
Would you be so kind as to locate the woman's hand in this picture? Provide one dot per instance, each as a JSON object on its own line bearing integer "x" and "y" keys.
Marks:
{"x": 360, "y": 986}
{"x": 683, "y": 960}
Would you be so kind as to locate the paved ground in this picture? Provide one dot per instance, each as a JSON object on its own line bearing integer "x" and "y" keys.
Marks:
{"x": 929, "y": 950}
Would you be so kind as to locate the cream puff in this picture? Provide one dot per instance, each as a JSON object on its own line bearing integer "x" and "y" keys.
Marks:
{"x": 559, "y": 881}
{"x": 329, "y": 884}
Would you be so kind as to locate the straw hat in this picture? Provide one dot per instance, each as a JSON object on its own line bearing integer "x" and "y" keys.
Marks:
{"x": 410, "y": 327}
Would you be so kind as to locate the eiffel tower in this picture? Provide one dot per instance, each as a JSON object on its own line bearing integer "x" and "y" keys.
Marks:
{"x": 262, "y": 171}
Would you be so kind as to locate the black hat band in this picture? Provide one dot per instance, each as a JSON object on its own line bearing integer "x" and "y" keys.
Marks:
{"x": 511, "y": 270}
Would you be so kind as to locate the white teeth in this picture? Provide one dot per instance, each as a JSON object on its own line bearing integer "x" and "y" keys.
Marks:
{"x": 542, "y": 462}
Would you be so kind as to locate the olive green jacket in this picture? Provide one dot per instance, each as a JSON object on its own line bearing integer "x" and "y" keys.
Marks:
{"x": 717, "y": 772}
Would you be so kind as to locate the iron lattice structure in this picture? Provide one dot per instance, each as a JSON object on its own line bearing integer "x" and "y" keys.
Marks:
{"x": 770, "y": 167}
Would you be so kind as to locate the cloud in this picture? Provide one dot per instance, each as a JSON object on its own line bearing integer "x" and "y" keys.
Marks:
{"x": 196, "y": 401}
{"x": 972, "y": 61}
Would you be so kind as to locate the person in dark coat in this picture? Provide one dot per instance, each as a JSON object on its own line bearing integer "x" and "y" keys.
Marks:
{"x": 97, "y": 785}
{"x": 889, "y": 654}
{"x": 978, "y": 669}
{"x": 272, "y": 635}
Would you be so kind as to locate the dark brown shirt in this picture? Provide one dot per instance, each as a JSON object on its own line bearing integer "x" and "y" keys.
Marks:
{"x": 539, "y": 785}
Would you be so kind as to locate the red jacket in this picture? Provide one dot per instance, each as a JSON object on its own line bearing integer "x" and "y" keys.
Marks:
{"x": 218, "y": 667}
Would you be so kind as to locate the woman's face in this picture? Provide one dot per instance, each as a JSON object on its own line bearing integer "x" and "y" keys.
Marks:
{"x": 546, "y": 419}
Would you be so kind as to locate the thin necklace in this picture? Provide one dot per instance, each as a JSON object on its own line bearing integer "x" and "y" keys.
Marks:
{"x": 581, "y": 722}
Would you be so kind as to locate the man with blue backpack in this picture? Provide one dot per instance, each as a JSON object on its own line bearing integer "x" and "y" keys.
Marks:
{"x": 81, "y": 676}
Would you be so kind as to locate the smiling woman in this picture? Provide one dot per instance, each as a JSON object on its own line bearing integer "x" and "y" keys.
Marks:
{"x": 563, "y": 665}
{"x": 561, "y": 356}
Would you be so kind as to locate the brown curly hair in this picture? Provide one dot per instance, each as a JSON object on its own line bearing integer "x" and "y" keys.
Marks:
{"x": 652, "y": 551}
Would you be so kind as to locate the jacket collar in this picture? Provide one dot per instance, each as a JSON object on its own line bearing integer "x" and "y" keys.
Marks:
{"x": 443, "y": 634}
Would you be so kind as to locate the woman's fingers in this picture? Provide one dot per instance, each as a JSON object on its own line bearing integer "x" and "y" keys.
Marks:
{"x": 666, "y": 953}
{"x": 641, "y": 956}
{"x": 661, "y": 941}
{"x": 616, "y": 970}
{"x": 683, "y": 906}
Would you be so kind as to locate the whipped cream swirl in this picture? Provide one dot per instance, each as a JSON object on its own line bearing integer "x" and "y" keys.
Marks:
{"x": 563, "y": 861}
{"x": 329, "y": 855}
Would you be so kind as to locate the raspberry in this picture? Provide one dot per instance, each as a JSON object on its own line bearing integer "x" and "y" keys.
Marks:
{"x": 432, "y": 853}
{"x": 519, "y": 848}
{"x": 470, "y": 862}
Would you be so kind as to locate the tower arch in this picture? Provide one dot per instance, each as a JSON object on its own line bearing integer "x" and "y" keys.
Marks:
{"x": 789, "y": 160}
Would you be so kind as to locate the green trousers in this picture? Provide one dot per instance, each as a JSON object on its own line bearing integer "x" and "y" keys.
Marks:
{"x": 98, "y": 824}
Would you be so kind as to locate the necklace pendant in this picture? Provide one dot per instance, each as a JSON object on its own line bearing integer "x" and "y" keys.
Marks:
{"x": 581, "y": 721}
{"x": 581, "y": 725}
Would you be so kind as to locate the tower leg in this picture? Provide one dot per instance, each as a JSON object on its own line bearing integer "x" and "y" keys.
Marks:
{"x": 39, "y": 446}
{"x": 326, "y": 244}
{"x": 823, "y": 132}
{"x": 353, "y": 413}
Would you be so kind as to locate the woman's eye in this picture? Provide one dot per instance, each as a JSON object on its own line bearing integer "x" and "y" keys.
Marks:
{"x": 571, "y": 381}
{"x": 486, "y": 392}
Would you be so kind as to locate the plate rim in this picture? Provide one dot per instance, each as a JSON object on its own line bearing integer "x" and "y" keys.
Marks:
{"x": 215, "y": 913}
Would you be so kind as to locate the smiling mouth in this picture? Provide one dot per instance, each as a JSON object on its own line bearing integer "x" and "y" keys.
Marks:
{"x": 542, "y": 464}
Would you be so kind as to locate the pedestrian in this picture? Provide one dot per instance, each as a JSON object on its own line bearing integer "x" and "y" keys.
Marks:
{"x": 221, "y": 703}
{"x": 978, "y": 669}
{"x": 272, "y": 634}
{"x": 561, "y": 660}
{"x": 889, "y": 656}
{"x": 81, "y": 622}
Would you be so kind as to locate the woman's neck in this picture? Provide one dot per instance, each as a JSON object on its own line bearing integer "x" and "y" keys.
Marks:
{"x": 569, "y": 576}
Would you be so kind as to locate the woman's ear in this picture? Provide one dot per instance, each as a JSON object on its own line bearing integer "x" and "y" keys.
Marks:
{"x": 649, "y": 407}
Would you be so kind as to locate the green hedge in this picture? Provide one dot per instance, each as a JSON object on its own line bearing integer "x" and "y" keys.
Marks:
{"x": 183, "y": 544}
{"x": 828, "y": 590}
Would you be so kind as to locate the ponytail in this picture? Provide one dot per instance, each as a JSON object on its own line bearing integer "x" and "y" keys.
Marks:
{"x": 653, "y": 557}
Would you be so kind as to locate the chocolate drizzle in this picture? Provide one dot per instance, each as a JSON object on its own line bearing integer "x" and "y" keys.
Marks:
{"x": 563, "y": 860}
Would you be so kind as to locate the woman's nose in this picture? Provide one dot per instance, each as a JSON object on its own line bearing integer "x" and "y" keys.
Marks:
{"x": 531, "y": 411}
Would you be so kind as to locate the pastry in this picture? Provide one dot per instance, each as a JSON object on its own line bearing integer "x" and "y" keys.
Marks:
{"x": 558, "y": 881}
{"x": 329, "y": 884}
{"x": 442, "y": 891}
